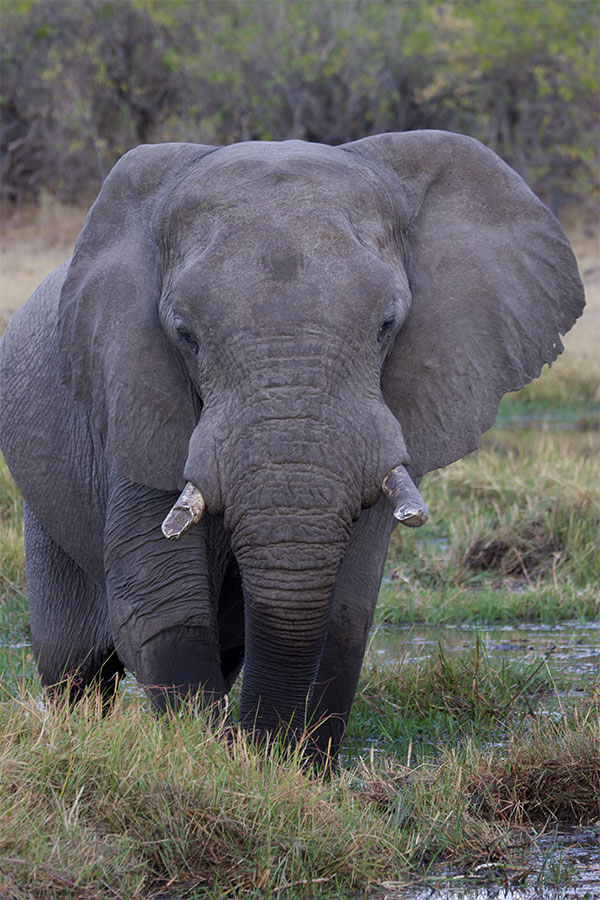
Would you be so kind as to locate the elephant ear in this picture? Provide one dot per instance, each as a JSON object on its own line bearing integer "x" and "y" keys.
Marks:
{"x": 494, "y": 284}
{"x": 115, "y": 357}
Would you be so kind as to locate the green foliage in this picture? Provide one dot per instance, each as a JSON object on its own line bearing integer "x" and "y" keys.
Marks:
{"x": 512, "y": 532}
{"x": 533, "y": 68}
{"x": 83, "y": 82}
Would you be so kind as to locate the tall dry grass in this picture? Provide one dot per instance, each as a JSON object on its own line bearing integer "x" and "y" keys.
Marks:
{"x": 35, "y": 240}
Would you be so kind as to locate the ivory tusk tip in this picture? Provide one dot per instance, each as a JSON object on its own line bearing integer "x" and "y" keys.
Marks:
{"x": 177, "y": 523}
{"x": 188, "y": 509}
{"x": 404, "y": 498}
{"x": 413, "y": 517}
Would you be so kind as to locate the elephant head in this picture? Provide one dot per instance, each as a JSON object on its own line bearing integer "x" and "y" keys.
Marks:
{"x": 283, "y": 325}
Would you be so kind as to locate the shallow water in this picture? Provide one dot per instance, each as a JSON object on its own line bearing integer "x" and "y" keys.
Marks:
{"x": 569, "y": 858}
{"x": 572, "y": 646}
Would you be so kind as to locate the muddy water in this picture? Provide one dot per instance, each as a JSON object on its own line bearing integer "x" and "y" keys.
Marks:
{"x": 565, "y": 864}
{"x": 572, "y": 646}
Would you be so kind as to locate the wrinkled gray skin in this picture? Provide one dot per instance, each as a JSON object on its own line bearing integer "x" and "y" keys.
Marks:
{"x": 279, "y": 324}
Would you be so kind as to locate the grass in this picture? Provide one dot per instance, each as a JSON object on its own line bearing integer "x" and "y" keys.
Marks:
{"x": 453, "y": 762}
{"x": 473, "y": 806}
{"x": 417, "y": 710}
{"x": 192, "y": 810}
{"x": 129, "y": 806}
{"x": 512, "y": 535}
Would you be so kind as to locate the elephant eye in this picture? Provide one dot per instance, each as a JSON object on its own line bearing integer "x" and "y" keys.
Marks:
{"x": 187, "y": 338}
{"x": 386, "y": 328}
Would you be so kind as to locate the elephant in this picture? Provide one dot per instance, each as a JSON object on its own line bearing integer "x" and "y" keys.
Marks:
{"x": 257, "y": 351}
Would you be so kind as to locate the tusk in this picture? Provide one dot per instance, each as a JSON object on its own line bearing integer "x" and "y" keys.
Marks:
{"x": 404, "y": 498}
{"x": 188, "y": 509}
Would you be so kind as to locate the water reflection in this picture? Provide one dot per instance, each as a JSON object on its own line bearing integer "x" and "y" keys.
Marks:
{"x": 570, "y": 855}
{"x": 573, "y": 646}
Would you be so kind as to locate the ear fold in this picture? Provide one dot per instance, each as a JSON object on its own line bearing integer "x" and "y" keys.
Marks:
{"x": 494, "y": 284}
{"x": 114, "y": 355}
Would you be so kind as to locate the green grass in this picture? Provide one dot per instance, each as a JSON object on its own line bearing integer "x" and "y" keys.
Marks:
{"x": 417, "y": 708}
{"x": 513, "y": 534}
{"x": 453, "y": 760}
{"x": 131, "y": 805}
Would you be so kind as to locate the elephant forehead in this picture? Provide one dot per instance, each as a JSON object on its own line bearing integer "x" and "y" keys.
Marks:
{"x": 300, "y": 266}
{"x": 289, "y": 164}
{"x": 283, "y": 263}
{"x": 249, "y": 185}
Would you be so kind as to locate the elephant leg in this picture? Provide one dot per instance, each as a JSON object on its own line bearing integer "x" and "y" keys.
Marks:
{"x": 354, "y": 601}
{"x": 161, "y": 598}
{"x": 68, "y": 613}
{"x": 231, "y": 624}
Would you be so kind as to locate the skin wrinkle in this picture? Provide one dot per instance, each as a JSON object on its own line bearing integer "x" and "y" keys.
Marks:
{"x": 251, "y": 397}
{"x": 254, "y": 416}
{"x": 241, "y": 489}
{"x": 135, "y": 577}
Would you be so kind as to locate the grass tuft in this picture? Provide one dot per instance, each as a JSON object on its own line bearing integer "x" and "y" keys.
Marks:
{"x": 417, "y": 707}
{"x": 477, "y": 806}
{"x": 138, "y": 805}
{"x": 511, "y": 526}
{"x": 553, "y": 776}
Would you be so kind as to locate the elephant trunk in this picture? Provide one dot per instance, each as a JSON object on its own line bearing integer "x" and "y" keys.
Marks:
{"x": 290, "y": 499}
{"x": 289, "y": 563}
{"x": 289, "y": 469}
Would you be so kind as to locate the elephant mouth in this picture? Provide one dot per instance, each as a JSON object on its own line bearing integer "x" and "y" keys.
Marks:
{"x": 398, "y": 488}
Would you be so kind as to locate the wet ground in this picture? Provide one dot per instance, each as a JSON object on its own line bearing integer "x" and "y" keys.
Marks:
{"x": 572, "y": 646}
{"x": 564, "y": 866}
{"x": 566, "y": 863}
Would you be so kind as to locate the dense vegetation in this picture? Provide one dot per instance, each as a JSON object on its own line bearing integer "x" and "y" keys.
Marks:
{"x": 82, "y": 82}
